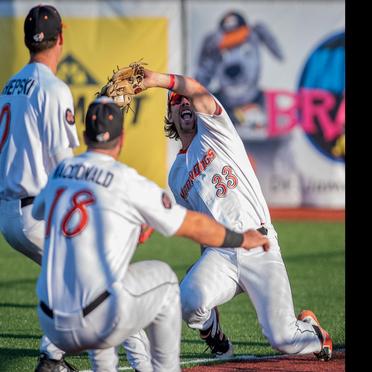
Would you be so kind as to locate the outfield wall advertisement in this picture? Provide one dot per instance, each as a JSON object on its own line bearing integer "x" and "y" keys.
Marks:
{"x": 279, "y": 69}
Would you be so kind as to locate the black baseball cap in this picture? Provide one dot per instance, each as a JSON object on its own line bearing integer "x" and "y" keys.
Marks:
{"x": 103, "y": 122}
{"x": 42, "y": 23}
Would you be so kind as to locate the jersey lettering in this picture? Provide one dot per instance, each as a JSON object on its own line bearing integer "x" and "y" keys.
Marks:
{"x": 18, "y": 87}
{"x": 231, "y": 179}
{"x": 4, "y": 117}
{"x": 197, "y": 169}
{"x": 222, "y": 186}
{"x": 99, "y": 176}
{"x": 59, "y": 193}
{"x": 80, "y": 208}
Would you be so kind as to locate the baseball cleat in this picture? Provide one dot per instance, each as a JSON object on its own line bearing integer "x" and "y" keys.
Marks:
{"x": 326, "y": 352}
{"x": 227, "y": 354}
{"x": 51, "y": 365}
{"x": 220, "y": 345}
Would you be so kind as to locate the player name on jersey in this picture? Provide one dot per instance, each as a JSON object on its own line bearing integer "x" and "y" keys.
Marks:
{"x": 19, "y": 87}
{"x": 197, "y": 169}
{"x": 94, "y": 174}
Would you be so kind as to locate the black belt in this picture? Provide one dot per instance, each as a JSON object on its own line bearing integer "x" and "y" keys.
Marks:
{"x": 27, "y": 201}
{"x": 263, "y": 230}
{"x": 86, "y": 310}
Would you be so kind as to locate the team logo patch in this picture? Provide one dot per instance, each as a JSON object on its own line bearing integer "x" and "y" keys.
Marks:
{"x": 70, "y": 117}
{"x": 167, "y": 203}
{"x": 38, "y": 37}
{"x": 103, "y": 137}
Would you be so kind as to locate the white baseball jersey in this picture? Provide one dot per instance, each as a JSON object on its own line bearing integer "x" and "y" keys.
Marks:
{"x": 93, "y": 207}
{"x": 36, "y": 123}
{"x": 214, "y": 176}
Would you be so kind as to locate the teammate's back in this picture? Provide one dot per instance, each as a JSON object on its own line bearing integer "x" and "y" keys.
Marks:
{"x": 37, "y": 131}
{"x": 33, "y": 103}
{"x": 94, "y": 201}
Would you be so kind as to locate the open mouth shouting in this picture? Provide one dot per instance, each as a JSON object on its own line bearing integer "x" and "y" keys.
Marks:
{"x": 186, "y": 114}
{"x": 187, "y": 118}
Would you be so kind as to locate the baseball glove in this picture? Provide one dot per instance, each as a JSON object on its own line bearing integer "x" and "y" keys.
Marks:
{"x": 124, "y": 84}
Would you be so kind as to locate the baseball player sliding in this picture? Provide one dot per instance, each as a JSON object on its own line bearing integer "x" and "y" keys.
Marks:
{"x": 212, "y": 174}
{"x": 90, "y": 296}
{"x": 37, "y": 131}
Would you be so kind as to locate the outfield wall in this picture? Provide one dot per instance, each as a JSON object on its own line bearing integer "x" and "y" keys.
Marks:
{"x": 278, "y": 67}
{"x": 311, "y": 214}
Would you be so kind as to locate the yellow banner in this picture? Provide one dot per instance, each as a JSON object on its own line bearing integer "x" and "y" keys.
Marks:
{"x": 93, "y": 48}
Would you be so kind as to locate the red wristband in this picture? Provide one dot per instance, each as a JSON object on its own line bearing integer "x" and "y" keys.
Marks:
{"x": 172, "y": 81}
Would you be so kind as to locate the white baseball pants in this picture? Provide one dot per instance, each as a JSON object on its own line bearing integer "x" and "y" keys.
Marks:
{"x": 218, "y": 276}
{"x": 147, "y": 298}
{"x": 26, "y": 235}
{"x": 21, "y": 230}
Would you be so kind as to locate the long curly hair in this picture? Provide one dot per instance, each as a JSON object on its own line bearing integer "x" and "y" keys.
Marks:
{"x": 170, "y": 129}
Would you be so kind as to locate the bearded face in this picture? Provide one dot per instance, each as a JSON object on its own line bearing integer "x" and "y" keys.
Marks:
{"x": 182, "y": 114}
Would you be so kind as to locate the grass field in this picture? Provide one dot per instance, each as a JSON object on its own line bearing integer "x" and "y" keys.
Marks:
{"x": 314, "y": 254}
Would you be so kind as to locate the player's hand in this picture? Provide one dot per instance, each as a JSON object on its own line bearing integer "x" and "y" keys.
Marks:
{"x": 150, "y": 80}
{"x": 146, "y": 232}
{"x": 254, "y": 239}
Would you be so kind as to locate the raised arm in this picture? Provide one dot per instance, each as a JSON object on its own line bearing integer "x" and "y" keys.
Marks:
{"x": 204, "y": 230}
{"x": 198, "y": 95}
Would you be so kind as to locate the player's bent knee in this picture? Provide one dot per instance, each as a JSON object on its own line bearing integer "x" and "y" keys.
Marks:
{"x": 166, "y": 270}
{"x": 193, "y": 310}
{"x": 191, "y": 297}
{"x": 170, "y": 278}
{"x": 186, "y": 313}
{"x": 286, "y": 348}
{"x": 283, "y": 343}
{"x": 188, "y": 305}
{"x": 154, "y": 268}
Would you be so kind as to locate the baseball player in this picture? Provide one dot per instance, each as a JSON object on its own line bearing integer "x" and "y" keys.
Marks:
{"x": 90, "y": 296}
{"x": 212, "y": 174}
{"x": 37, "y": 131}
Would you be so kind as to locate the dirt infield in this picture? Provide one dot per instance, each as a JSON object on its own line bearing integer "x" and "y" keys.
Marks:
{"x": 306, "y": 363}
{"x": 307, "y": 214}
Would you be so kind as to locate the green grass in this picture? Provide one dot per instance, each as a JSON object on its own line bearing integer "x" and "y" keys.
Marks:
{"x": 314, "y": 254}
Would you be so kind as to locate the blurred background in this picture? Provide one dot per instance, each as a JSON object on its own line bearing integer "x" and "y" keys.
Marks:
{"x": 278, "y": 67}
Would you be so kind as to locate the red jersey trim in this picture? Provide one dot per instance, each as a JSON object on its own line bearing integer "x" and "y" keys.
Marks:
{"x": 218, "y": 110}
{"x": 183, "y": 151}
